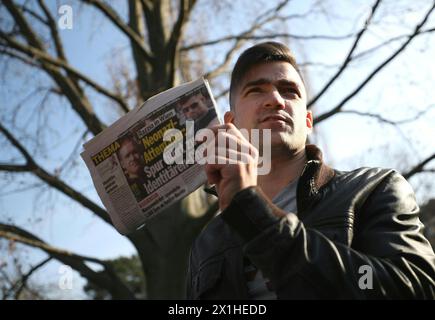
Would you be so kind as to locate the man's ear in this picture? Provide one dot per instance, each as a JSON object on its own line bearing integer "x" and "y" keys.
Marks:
{"x": 229, "y": 117}
{"x": 309, "y": 120}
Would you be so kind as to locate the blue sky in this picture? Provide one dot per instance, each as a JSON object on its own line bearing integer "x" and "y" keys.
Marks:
{"x": 405, "y": 88}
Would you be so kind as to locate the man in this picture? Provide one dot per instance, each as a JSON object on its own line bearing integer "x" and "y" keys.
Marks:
{"x": 305, "y": 230}
{"x": 132, "y": 164}
{"x": 194, "y": 107}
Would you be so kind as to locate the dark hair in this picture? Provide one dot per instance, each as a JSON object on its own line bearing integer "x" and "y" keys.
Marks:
{"x": 261, "y": 53}
{"x": 189, "y": 95}
{"x": 126, "y": 138}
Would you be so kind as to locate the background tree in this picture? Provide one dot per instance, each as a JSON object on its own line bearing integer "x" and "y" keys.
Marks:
{"x": 165, "y": 43}
{"x": 15, "y": 282}
{"x": 130, "y": 271}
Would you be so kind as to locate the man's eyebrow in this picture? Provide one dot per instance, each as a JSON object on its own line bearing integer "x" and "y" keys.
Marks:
{"x": 257, "y": 82}
{"x": 262, "y": 81}
{"x": 285, "y": 82}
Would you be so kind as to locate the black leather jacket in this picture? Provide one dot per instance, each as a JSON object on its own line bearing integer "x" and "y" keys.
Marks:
{"x": 346, "y": 221}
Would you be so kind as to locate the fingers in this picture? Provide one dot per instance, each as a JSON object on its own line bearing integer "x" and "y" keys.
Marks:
{"x": 229, "y": 128}
{"x": 229, "y": 156}
{"x": 213, "y": 174}
{"x": 222, "y": 169}
{"x": 231, "y": 161}
{"x": 226, "y": 143}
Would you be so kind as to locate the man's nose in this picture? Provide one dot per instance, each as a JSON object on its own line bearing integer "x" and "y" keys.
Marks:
{"x": 274, "y": 100}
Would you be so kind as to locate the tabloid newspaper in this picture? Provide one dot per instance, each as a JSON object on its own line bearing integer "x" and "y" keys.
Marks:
{"x": 128, "y": 160}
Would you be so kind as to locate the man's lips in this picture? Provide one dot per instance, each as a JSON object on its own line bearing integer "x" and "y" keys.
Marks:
{"x": 275, "y": 117}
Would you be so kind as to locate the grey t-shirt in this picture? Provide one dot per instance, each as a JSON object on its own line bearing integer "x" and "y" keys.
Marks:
{"x": 258, "y": 286}
{"x": 286, "y": 198}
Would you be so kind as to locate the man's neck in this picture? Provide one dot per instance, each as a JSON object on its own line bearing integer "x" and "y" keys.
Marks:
{"x": 284, "y": 169}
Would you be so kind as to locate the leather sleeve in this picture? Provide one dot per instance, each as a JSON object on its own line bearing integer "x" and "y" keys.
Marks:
{"x": 190, "y": 283}
{"x": 302, "y": 263}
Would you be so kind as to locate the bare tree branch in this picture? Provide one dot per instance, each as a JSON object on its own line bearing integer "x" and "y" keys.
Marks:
{"x": 53, "y": 30}
{"x": 108, "y": 280}
{"x": 17, "y": 234}
{"x": 23, "y": 281}
{"x": 74, "y": 151}
{"x": 58, "y": 43}
{"x": 388, "y": 121}
{"x": 23, "y": 59}
{"x": 75, "y": 95}
{"x": 23, "y": 25}
{"x": 224, "y": 65}
{"x": 113, "y": 16}
{"x": 20, "y": 190}
{"x": 266, "y": 17}
{"x": 29, "y": 160}
{"x": 386, "y": 42}
{"x": 33, "y": 14}
{"x": 153, "y": 20}
{"x": 420, "y": 167}
{"x": 348, "y": 57}
{"x": 222, "y": 94}
{"x": 242, "y": 36}
{"x": 185, "y": 8}
{"x": 74, "y": 74}
{"x": 5, "y": 276}
{"x": 14, "y": 168}
{"x": 44, "y": 57}
{"x": 32, "y": 167}
{"x": 156, "y": 15}
{"x": 261, "y": 20}
{"x": 141, "y": 64}
{"x": 340, "y": 105}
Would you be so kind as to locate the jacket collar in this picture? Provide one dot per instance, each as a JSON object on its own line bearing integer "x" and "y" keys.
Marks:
{"x": 314, "y": 176}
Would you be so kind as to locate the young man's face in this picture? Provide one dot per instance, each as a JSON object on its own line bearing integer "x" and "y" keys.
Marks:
{"x": 272, "y": 96}
{"x": 130, "y": 159}
{"x": 194, "y": 108}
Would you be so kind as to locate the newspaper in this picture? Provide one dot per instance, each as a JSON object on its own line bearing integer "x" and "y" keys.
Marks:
{"x": 128, "y": 161}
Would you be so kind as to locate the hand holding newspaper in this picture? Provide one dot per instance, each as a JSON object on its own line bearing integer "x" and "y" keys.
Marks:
{"x": 144, "y": 162}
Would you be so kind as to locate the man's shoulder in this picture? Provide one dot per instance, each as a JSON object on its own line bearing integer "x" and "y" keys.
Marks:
{"x": 364, "y": 174}
{"x": 365, "y": 179}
